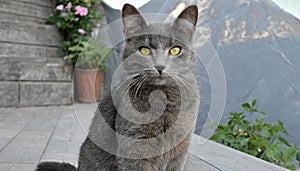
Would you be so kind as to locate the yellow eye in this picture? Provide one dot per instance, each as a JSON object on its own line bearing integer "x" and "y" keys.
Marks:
{"x": 145, "y": 51}
{"x": 175, "y": 50}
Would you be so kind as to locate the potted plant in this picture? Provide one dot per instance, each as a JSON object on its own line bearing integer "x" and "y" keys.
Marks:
{"x": 89, "y": 68}
{"x": 76, "y": 20}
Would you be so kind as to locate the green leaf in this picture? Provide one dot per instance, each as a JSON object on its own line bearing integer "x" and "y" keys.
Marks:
{"x": 266, "y": 132}
{"x": 273, "y": 151}
{"x": 246, "y": 106}
{"x": 252, "y": 152}
{"x": 280, "y": 123}
{"x": 253, "y": 103}
{"x": 260, "y": 142}
{"x": 298, "y": 155}
{"x": 259, "y": 120}
{"x": 260, "y": 139}
{"x": 289, "y": 154}
{"x": 284, "y": 141}
{"x": 288, "y": 165}
{"x": 258, "y": 111}
{"x": 244, "y": 141}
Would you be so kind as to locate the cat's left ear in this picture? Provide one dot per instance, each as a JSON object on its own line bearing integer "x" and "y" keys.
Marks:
{"x": 133, "y": 21}
{"x": 187, "y": 19}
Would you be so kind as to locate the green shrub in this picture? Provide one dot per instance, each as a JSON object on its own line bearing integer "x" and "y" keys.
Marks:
{"x": 261, "y": 139}
{"x": 76, "y": 20}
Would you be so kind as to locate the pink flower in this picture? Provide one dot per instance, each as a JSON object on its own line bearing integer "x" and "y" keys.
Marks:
{"x": 82, "y": 11}
{"x": 81, "y": 31}
{"x": 69, "y": 6}
{"x": 60, "y": 7}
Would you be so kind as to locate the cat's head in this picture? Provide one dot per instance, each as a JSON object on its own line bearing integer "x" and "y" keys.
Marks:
{"x": 159, "y": 50}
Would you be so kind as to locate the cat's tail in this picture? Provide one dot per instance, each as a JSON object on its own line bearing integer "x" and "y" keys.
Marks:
{"x": 55, "y": 166}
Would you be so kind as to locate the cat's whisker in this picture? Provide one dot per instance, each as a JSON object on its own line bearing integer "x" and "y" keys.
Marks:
{"x": 182, "y": 85}
{"x": 126, "y": 84}
{"x": 143, "y": 83}
{"x": 140, "y": 83}
{"x": 131, "y": 83}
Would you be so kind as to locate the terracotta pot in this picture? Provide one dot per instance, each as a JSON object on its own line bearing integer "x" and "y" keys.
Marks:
{"x": 88, "y": 84}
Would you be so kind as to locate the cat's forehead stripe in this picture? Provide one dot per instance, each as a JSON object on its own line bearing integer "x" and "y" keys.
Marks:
{"x": 159, "y": 41}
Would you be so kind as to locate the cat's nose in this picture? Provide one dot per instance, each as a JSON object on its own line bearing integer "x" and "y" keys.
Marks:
{"x": 160, "y": 68}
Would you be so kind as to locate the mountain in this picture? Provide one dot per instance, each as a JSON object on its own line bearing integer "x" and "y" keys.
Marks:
{"x": 258, "y": 45}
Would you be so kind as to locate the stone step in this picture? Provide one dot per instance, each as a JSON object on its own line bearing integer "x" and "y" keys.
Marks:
{"x": 34, "y": 69}
{"x": 8, "y": 49}
{"x": 29, "y": 33}
{"x": 28, "y": 10}
{"x": 47, "y": 3}
{"x": 5, "y": 16}
{"x": 24, "y": 94}
{"x": 34, "y": 82}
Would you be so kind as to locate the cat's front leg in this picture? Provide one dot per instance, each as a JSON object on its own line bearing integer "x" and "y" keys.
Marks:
{"x": 177, "y": 163}
{"x": 135, "y": 158}
{"x": 125, "y": 164}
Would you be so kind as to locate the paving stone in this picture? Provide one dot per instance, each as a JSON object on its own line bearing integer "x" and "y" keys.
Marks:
{"x": 75, "y": 135}
{"x": 44, "y": 122}
{"x": 84, "y": 114}
{"x": 6, "y": 135}
{"x": 63, "y": 147}
{"x": 33, "y": 137}
{"x": 22, "y": 167}
{"x": 5, "y": 166}
{"x": 34, "y": 94}
{"x": 62, "y": 151}
{"x": 193, "y": 163}
{"x": 67, "y": 158}
{"x": 2, "y": 116}
{"x": 22, "y": 152}
{"x": 27, "y": 147}
{"x": 13, "y": 120}
{"x": 67, "y": 121}
{"x": 9, "y": 93}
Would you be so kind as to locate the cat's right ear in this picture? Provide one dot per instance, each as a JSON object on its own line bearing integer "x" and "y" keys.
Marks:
{"x": 133, "y": 21}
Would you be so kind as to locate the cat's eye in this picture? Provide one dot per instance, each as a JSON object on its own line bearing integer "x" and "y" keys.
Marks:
{"x": 175, "y": 50}
{"x": 145, "y": 51}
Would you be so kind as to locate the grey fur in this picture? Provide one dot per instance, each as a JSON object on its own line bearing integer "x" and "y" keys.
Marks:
{"x": 158, "y": 112}
{"x": 139, "y": 78}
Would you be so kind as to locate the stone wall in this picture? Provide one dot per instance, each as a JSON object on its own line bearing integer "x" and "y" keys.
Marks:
{"x": 32, "y": 72}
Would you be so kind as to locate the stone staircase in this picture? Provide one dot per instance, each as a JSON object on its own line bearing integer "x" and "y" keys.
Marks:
{"x": 32, "y": 72}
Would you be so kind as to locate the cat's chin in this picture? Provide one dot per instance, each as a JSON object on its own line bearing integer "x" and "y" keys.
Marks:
{"x": 158, "y": 82}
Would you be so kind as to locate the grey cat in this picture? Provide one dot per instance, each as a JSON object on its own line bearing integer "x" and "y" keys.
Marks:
{"x": 146, "y": 121}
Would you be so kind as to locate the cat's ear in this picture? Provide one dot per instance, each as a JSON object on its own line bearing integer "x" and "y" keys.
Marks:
{"x": 187, "y": 19}
{"x": 133, "y": 21}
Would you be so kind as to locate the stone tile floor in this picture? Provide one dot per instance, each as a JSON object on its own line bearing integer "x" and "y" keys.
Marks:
{"x": 31, "y": 135}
